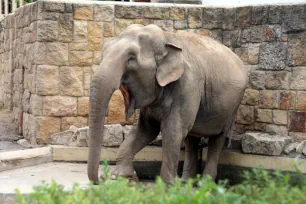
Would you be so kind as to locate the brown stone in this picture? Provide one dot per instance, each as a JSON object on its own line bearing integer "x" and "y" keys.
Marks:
{"x": 250, "y": 97}
{"x": 260, "y": 126}
{"x": 116, "y": 110}
{"x": 47, "y": 126}
{"x": 297, "y": 49}
{"x": 277, "y": 129}
{"x": 301, "y": 101}
{"x": 75, "y": 121}
{"x": 104, "y": 13}
{"x": 83, "y": 106}
{"x": 122, "y": 11}
{"x": 47, "y": 80}
{"x": 177, "y": 13}
{"x": 242, "y": 53}
{"x": 60, "y": 106}
{"x": 257, "y": 79}
{"x": 47, "y": 31}
{"x": 121, "y": 24}
{"x": 268, "y": 99}
{"x": 36, "y": 105}
{"x": 298, "y": 136}
{"x": 97, "y": 57}
{"x": 78, "y": 46}
{"x": 263, "y": 115}
{"x": 94, "y": 36}
{"x": 287, "y": 99}
{"x": 54, "y": 6}
{"x": 243, "y": 16}
{"x": 245, "y": 114}
{"x": 108, "y": 29}
{"x": 71, "y": 81}
{"x": 80, "y": 31}
{"x": 253, "y": 53}
{"x": 143, "y": 21}
{"x": 57, "y": 53}
{"x": 277, "y": 80}
{"x": 39, "y": 53}
{"x": 83, "y": 11}
{"x": 81, "y": 58}
{"x": 280, "y": 117}
{"x": 87, "y": 81}
{"x": 65, "y": 33}
{"x": 195, "y": 17}
{"x": 297, "y": 121}
{"x": 156, "y": 13}
{"x": 298, "y": 78}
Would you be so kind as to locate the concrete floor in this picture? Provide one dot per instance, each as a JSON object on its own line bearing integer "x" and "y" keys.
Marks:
{"x": 25, "y": 178}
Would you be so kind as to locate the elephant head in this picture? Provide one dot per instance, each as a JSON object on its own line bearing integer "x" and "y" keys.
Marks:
{"x": 139, "y": 62}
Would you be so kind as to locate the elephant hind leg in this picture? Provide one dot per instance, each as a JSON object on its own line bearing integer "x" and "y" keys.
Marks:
{"x": 191, "y": 162}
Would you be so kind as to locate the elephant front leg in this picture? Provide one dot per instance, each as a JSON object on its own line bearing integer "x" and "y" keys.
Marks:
{"x": 147, "y": 131}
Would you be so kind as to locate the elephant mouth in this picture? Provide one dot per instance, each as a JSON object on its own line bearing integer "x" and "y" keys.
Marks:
{"x": 125, "y": 92}
{"x": 129, "y": 101}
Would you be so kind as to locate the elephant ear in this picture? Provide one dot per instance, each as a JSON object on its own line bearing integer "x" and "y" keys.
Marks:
{"x": 171, "y": 67}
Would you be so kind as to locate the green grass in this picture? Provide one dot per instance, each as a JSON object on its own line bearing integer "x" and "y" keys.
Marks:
{"x": 259, "y": 186}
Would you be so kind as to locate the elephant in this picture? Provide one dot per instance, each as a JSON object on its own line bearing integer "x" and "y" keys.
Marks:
{"x": 186, "y": 87}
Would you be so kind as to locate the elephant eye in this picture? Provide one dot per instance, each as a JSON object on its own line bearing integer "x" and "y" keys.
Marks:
{"x": 131, "y": 60}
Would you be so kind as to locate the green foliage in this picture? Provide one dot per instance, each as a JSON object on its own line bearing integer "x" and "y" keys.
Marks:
{"x": 259, "y": 187}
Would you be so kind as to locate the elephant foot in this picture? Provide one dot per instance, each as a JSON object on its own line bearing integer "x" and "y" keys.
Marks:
{"x": 125, "y": 172}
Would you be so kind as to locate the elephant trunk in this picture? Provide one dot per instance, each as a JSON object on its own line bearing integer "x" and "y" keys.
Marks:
{"x": 104, "y": 83}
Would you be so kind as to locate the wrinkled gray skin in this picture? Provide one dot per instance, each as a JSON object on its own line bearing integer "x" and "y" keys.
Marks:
{"x": 186, "y": 86}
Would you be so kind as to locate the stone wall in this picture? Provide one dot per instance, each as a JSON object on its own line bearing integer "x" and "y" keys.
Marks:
{"x": 49, "y": 51}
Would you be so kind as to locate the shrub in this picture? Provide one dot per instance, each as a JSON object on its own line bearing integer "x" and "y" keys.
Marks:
{"x": 259, "y": 186}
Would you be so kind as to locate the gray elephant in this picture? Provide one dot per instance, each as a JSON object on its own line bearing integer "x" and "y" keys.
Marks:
{"x": 186, "y": 86}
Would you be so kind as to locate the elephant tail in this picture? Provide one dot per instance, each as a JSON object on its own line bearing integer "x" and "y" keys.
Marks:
{"x": 229, "y": 127}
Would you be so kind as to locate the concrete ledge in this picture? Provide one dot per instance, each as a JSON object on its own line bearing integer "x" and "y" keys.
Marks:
{"x": 24, "y": 158}
{"x": 154, "y": 154}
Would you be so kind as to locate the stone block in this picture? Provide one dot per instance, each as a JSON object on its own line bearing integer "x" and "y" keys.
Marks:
{"x": 60, "y": 106}
{"x": 62, "y": 138}
{"x": 68, "y": 7}
{"x": 300, "y": 147}
{"x": 143, "y": 21}
{"x": 48, "y": 16}
{"x": 80, "y": 31}
{"x": 47, "y": 30}
{"x": 298, "y": 78}
{"x": 287, "y": 99}
{"x": 245, "y": 114}
{"x": 97, "y": 58}
{"x": 294, "y": 18}
{"x": 250, "y": 97}
{"x": 57, "y": 53}
{"x": 277, "y": 80}
{"x": 253, "y": 53}
{"x": 36, "y": 105}
{"x": 217, "y": 34}
{"x": 39, "y": 53}
{"x": 112, "y": 135}
{"x": 232, "y": 38}
{"x": 83, "y": 106}
{"x": 290, "y": 147}
{"x": 104, "y": 13}
{"x": 301, "y": 101}
{"x": 177, "y": 13}
{"x": 256, "y": 34}
{"x": 94, "y": 36}
{"x": 78, "y": 46}
{"x": 129, "y": 12}
{"x": 157, "y": 13}
{"x": 297, "y": 121}
{"x": 242, "y": 53}
{"x": 129, "y": 131}
{"x": 277, "y": 129}
{"x": 180, "y": 25}
{"x": 280, "y": 117}
{"x": 229, "y": 18}
{"x": 298, "y": 136}
{"x": 260, "y": 127}
{"x": 108, "y": 30}
{"x": 121, "y": 24}
{"x": 260, "y": 15}
{"x": 83, "y": 11}
{"x": 273, "y": 56}
{"x": 212, "y": 18}
{"x": 75, "y": 121}
{"x": 65, "y": 24}
{"x": 297, "y": 49}
{"x": 243, "y": 17}
{"x": 116, "y": 110}
{"x": 71, "y": 81}
{"x": 276, "y": 14}
{"x": 245, "y": 35}
{"x": 265, "y": 144}
{"x": 79, "y": 58}
{"x": 47, "y": 80}
{"x": 195, "y": 17}
{"x": 268, "y": 99}
{"x": 54, "y": 6}
{"x": 263, "y": 115}
{"x": 47, "y": 126}
{"x": 272, "y": 32}
{"x": 87, "y": 82}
